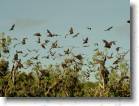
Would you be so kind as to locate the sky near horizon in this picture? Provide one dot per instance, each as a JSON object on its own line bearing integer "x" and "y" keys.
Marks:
{"x": 31, "y": 16}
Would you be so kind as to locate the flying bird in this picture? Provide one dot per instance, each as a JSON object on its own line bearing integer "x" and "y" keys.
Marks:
{"x": 76, "y": 35}
{"x": 108, "y": 44}
{"x": 108, "y": 29}
{"x": 118, "y": 48}
{"x": 37, "y": 34}
{"x": 15, "y": 57}
{"x": 18, "y": 52}
{"x": 12, "y": 28}
{"x": 128, "y": 21}
{"x": 46, "y": 41}
{"x": 49, "y": 33}
{"x": 35, "y": 58}
{"x": 67, "y": 51}
{"x": 85, "y": 40}
{"x": 43, "y": 45}
{"x": 89, "y": 28}
{"x": 24, "y": 41}
{"x": 79, "y": 57}
{"x": 71, "y": 30}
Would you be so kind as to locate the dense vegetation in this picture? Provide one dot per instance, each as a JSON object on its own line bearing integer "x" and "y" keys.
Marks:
{"x": 70, "y": 78}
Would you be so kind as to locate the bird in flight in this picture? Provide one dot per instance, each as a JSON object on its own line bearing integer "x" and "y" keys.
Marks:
{"x": 108, "y": 44}
{"x": 89, "y": 28}
{"x": 49, "y": 33}
{"x": 35, "y": 58}
{"x": 71, "y": 30}
{"x": 118, "y": 48}
{"x": 108, "y": 29}
{"x": 37, "y": 34}
{"x": 24, "y": 41}
{"x": 12, "y": 28}
{"x": 76, "y": 35}
{"x": 85, "y": 40}
{"x": 43, "y": 45}
{"x": 128, "y": 21}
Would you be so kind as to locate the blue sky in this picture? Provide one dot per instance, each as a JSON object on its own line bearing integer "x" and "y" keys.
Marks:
{"x": 31, "y": 16}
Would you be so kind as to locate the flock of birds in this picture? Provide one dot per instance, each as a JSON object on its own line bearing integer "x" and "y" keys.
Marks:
{"x": 54, "y": 45}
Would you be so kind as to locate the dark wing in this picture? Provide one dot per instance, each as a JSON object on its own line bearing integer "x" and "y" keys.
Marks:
{"x": 37, "y": 34}
{"x": 128, "y": 21}
{"x": 109, "y": 28}
{"x": 12, "y": 28}
{"x": 71, "y": 30}
{"x": 105, "y": 41}
{"x": 50, "y": 34}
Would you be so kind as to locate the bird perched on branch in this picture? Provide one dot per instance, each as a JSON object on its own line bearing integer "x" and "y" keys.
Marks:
{"x": 108, "y": 44}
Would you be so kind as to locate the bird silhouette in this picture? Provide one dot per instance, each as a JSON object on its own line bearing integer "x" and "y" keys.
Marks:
{"x": 49, "y": 33}
{"x": 71, "y": 30}
{"x": 24, "y": 41}
{"x": 55, "y": 45}
{"x": 85, "y": 40}
{"x": 36, "y": 57}
{"x": 12, "y": 27}
{"x": 79, "y": 57}
{"x": 43, "y": 45}
{"x": 15, "y": 57}
{"x": 128, "y": 21}
{"x": 89, "y": 28}
{"x": 6, "y": 50}
{"x": 76, "y": 35}
{"x": 118, "y": 48}
{"x": 108, "y": 29}
{"x": 46, "y": 41}
{"x": 108, "y": 44}
{"x": 19, "y": 52}
{"x": 67, "y": 51}
{"x": 37, "y": 34}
